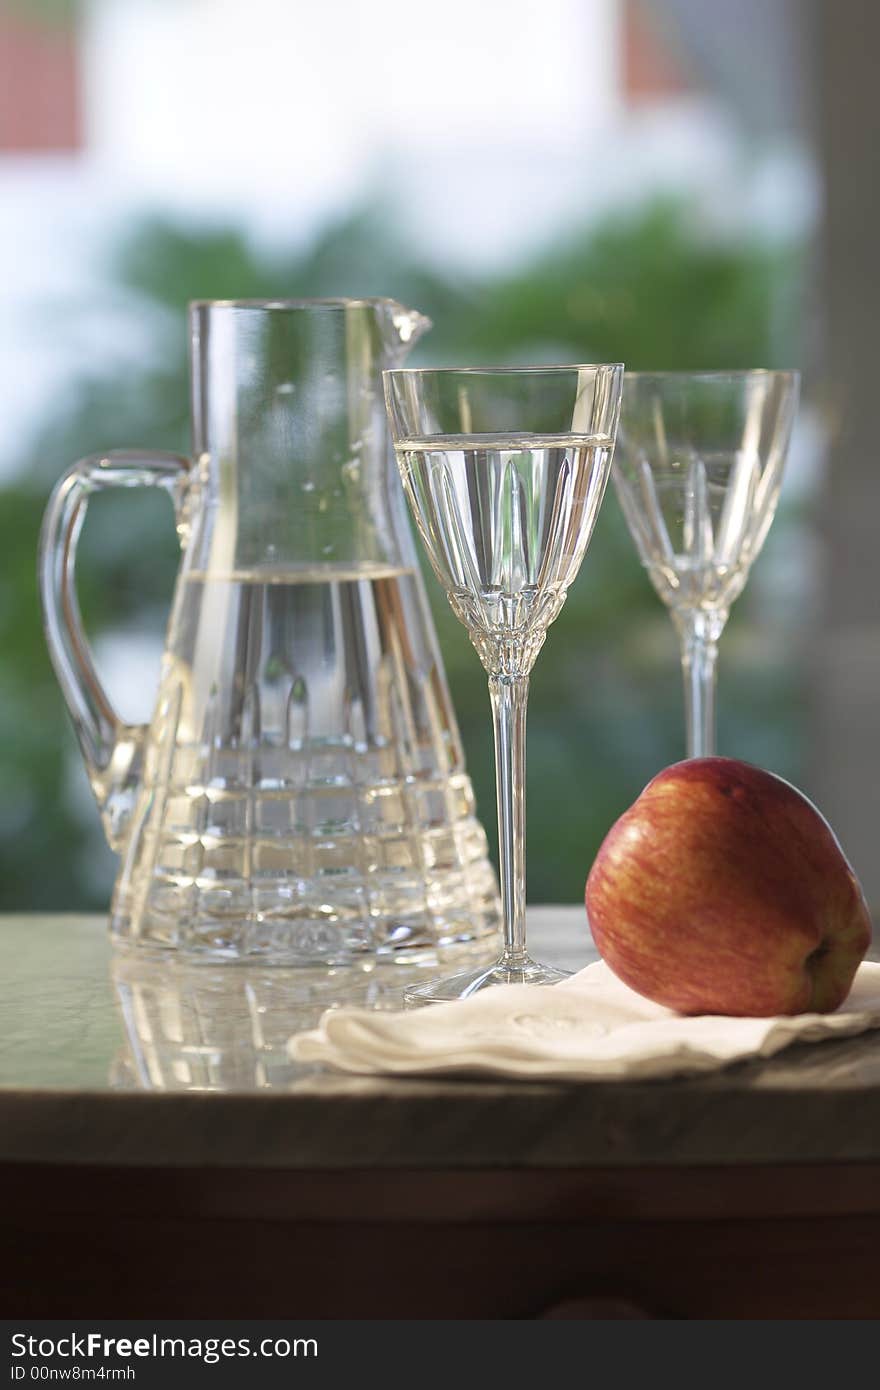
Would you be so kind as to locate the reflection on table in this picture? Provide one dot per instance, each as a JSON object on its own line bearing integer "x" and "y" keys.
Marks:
{"x": 207, "y": 1028}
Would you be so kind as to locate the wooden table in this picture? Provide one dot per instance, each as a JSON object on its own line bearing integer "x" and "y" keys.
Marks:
{"x": 160, "y": 1156}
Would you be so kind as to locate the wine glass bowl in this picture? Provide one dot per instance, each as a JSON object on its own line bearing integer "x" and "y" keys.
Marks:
{"x": 504, "y": 470}
{"x": 698, "y": 471}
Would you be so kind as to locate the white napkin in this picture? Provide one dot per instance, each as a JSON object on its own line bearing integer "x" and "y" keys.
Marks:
{"x": 589, "y": 1028}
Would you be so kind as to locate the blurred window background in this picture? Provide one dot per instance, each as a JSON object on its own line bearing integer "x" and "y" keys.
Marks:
{"x": 576, "y": 180}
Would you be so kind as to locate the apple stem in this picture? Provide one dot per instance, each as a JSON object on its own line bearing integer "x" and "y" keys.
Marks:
{"x": 698, "y": 633}
{"x": 509, "y": 698}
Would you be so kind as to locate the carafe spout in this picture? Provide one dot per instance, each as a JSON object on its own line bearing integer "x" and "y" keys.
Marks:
{"x": 406, "y": 327}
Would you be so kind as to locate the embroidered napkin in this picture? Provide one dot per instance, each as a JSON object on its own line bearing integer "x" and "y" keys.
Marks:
{"x": 591, "y": 1027}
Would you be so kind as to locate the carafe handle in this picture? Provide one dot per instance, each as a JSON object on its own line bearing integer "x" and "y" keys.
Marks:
{"x": 112, "y": 749}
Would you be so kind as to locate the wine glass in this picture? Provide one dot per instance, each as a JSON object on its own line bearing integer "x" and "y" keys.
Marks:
{"x": 504, "y": 470}
{"x": 698, "y": 471}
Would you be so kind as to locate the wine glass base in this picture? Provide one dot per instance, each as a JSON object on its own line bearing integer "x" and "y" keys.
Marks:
{"x": 473, "y": 981}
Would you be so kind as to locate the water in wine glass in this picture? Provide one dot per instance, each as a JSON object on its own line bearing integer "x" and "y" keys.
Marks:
{"x": 506, "y": 520}
{"x": 698, "y": 522}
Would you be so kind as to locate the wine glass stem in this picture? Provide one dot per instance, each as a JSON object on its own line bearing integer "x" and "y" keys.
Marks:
{"x": 699, "y": 633}
{"x": 509, "y": 700}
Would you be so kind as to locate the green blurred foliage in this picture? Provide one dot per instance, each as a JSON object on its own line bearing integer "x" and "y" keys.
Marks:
{"x": 649, "y": 289}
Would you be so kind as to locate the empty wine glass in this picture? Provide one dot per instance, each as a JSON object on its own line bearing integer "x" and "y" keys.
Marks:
{"x": 504, "y": 471}
{"x": 698, "y": 470}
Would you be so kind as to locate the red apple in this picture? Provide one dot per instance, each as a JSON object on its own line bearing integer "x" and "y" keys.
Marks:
{"x": 722, "y": 890}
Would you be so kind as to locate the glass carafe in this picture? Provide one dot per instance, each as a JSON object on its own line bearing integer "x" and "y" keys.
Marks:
{"x": 299, "y": 795}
